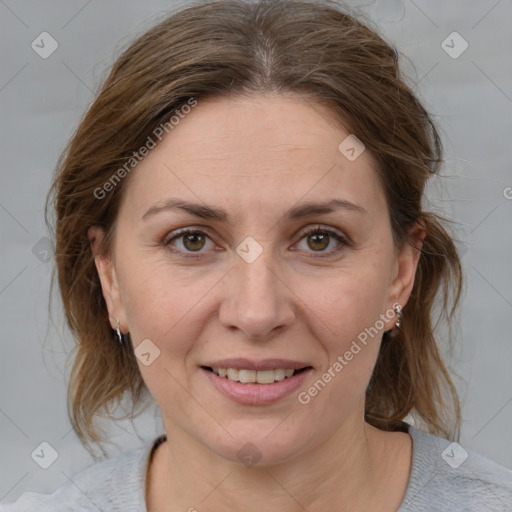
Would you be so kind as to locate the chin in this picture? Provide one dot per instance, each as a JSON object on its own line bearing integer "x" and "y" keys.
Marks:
{"x": 264, "y": 442}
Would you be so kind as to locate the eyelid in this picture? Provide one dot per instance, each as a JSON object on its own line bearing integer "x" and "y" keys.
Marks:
{"x": 319, "y": 227}
{"x": 341, "y": 238}
{"x": 176, "y": 233}
{"x": 180, "y": 232}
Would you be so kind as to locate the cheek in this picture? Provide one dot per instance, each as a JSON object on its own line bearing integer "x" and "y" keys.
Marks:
{"x": 348, "y": 300}
{"x": 164, "y": 304}
{"x": 348, "y": 305}
{"x": 166, "y": 307}
{"x": 350, "y": 330}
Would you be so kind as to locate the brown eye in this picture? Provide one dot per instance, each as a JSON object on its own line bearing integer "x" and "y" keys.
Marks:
{"x": 187, "y": 241}
{"x": 193, "y": 241}
{"x": 318, "y": 241}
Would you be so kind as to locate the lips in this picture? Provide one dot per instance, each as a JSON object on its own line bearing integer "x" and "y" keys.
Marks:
{"x": 257, "y": 393}
{"x": 264, "y": 364}
{"x": 256, "y": 372}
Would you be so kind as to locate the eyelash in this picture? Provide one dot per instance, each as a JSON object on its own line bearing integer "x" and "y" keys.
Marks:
{"x": 342, "y": 241}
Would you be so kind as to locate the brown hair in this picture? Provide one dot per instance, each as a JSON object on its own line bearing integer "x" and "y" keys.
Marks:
{"x": 229, "y": 47}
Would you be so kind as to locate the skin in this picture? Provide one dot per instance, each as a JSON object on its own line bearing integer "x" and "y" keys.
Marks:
{"x": 256, "y": 157}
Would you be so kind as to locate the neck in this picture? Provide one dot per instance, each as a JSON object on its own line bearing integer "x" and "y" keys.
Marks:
{"x": 350, "y": 469}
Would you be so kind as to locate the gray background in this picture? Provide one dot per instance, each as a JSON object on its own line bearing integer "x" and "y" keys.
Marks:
{"x": 42, "y": 101}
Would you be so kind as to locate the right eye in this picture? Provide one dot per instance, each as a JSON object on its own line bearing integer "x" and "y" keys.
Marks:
{"x": 187, "y": 241}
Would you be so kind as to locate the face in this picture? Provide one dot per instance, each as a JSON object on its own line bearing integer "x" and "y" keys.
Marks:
{"x": 287, "y": 262}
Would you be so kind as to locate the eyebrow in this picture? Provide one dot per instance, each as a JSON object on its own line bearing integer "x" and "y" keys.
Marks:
{"x": 211, "y": 213}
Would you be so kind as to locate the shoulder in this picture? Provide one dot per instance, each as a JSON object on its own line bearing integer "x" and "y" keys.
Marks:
{"x": 112, "y": 484}
{"x": 446, "y": 476}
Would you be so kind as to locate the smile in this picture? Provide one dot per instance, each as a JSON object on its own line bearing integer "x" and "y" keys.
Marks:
{"x": 253, "y": 376}
{"x": 256, "y": 387}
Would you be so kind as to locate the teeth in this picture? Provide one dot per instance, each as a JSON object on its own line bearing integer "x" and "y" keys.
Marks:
{"x": 233, "y": 374}
{"x": 265, "y": 377}
{"x": 253, "y": 376}
{"x": 247, "y": 376}
{"x": 281, "y": 374}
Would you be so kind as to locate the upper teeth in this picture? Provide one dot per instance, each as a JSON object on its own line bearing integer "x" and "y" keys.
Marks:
{"x": 247, "y": 376}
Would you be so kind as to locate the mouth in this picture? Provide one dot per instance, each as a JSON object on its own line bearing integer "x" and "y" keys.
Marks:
{"x": 256, "y": 382}
{"x": 250, "y": 376}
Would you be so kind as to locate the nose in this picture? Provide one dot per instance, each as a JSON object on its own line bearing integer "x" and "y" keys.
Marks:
{"x": 258, "y": 301}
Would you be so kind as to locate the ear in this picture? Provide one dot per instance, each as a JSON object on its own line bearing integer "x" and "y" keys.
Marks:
{"x": 406, "y": 264}
{"x": 108, "y": 278}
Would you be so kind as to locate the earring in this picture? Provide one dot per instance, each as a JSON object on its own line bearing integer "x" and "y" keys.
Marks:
{"x": 119, "y": 334}
{"x": 399, "y": 316}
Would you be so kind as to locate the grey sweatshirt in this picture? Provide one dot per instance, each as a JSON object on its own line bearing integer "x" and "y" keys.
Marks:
{"x": 444, "y": 478}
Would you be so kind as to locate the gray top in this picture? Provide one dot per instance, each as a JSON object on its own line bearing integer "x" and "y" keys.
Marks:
{"x": 444, "y": 478}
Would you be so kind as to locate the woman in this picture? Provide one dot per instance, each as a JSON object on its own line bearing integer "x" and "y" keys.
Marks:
{"x": 240, "y": 233}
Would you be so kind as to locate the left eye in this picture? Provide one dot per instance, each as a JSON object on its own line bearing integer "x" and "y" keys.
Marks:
{"x": 319, "y": 239}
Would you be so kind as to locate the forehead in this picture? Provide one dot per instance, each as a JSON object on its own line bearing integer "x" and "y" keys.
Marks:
{"x": 271, "y": 150}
